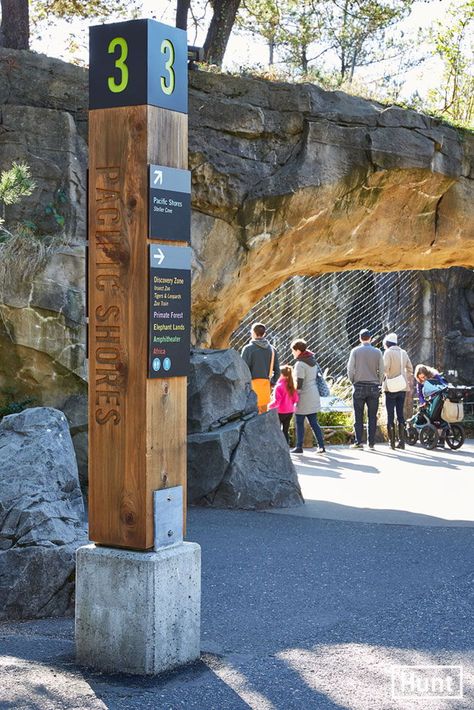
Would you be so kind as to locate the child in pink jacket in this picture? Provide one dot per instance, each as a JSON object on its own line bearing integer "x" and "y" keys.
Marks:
{"x": 284, "y": 399}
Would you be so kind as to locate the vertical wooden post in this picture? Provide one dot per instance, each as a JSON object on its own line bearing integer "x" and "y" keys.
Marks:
{"x": 137, "y": 424}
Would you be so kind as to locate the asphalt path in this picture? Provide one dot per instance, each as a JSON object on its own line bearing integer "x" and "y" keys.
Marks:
{"x": 297, "y": 612}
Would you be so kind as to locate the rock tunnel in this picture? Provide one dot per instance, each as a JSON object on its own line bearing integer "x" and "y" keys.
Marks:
{"x": 294, "y": 180}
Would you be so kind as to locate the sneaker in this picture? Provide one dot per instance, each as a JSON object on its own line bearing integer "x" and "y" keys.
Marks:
{"x": 372, "y": 447}
{"x": 297, "y": 450}
{"x": 356, "y": 446}
{"x": 321, "y": 450}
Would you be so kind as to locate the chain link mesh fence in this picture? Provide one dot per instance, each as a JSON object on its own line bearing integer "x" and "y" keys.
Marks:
{"x": 328, "y": 311}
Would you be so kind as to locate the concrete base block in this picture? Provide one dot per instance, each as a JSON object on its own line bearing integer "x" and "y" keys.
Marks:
{"x": 138, "y": 612}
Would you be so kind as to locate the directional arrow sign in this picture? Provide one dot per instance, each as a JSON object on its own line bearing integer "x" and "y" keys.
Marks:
{"x": 169, "y": 212}
{"x": 158, "y": 255}
{"x": 169, "y": 311}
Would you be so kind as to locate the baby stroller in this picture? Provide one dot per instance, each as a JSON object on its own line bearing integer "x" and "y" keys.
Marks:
{"x": 439, "y": 421}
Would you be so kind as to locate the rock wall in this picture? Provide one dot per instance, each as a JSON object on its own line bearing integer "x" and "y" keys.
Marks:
{"x": 43, "y": 122}
{"x": 287, "y": 179}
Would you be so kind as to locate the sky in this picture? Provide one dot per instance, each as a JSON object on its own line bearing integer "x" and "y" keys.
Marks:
{"x": 247, "y": 51}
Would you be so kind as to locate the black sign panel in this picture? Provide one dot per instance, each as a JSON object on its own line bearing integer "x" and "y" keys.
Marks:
{"x": 169, "y": 204}
{"x": 138, "y": 62}
{"x": 170, "y": 311}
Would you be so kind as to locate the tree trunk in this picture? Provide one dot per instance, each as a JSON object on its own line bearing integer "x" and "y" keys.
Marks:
{"x": 182, "y": 9}
{"x": 15, "y": 26}
{"x": 219, "y": 30}
{"x": 304, "y": 59}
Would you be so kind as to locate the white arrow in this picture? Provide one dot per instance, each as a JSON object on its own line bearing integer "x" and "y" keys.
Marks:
{"x": 159, "y": 255}
{"x": 158, "y": 177}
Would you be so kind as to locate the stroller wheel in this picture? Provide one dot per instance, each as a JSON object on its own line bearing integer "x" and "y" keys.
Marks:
{"x": 411, "y": 435}
{"x": 455, "y": 436}
{"x": 429, "y": 437}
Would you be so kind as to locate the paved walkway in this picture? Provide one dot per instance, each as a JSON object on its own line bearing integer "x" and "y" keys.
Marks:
{"x": 415, "y": 486}
{"x": 298, "y": 612}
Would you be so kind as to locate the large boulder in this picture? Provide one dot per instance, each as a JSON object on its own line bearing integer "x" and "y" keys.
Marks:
{"x": 219, "y": 389}
{"x": 236, "y": 458}
{"x": 261, "y": 473}
{"x": 41, "y": 515}
{"x": 209, "y": 457}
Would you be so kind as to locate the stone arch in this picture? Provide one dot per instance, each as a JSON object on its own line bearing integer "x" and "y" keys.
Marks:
{"x": 294, "y": 180}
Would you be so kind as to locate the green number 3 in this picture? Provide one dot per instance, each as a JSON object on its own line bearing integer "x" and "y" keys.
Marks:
{"x": 119, "y": 64}
{"x": 167, "y": 48}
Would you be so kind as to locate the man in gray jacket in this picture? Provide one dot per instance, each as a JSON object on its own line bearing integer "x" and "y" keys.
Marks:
{"x": 262, "y": 361}
{"x": 365, "y": 371}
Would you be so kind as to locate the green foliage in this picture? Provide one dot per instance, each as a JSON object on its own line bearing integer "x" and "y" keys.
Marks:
{"x": 453, "y": 41}
{"x": 263, "y": 18}
{"x": 29, "y": 228}
{"x": 304, "y": 23}
{"x": 67, "y": 9}
{"x": 15, "y": 184}
{"x": 356, "y": 31}
{"x": 23, "y": 252}
{"x": 43, "y": 13}
{"x": 337, "y": 426}
{"x": 52, "y": 208}
{"x": 290, "y": 25}
{"x": 335, "y": 419}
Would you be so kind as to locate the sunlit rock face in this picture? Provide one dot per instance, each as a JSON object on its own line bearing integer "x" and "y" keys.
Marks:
{"x": 296, "y": 180}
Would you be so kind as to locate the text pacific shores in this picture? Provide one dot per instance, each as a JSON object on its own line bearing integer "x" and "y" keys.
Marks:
{"x": 106, "y": 319}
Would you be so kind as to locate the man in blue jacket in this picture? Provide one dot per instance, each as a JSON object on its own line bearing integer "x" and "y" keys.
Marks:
{"x": 365, "y": 371}
{"x": 262, "y": 361}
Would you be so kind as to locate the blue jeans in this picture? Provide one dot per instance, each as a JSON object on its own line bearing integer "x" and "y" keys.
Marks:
{"x": 395, "y": 401}
{"x": 365, "y": 393}
{"x": 314, "y": 424}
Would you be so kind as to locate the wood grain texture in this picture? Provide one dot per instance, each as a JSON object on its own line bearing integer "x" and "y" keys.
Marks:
{"x": 166, "y": 398}
{"x": 137, "y": 426}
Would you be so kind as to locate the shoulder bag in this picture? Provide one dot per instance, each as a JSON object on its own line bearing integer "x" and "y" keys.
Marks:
{"x": 323, "y": 387}
{"x": 398, "y": 383}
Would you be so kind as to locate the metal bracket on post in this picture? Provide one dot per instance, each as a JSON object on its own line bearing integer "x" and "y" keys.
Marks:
{"x": 168, "y": 517}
